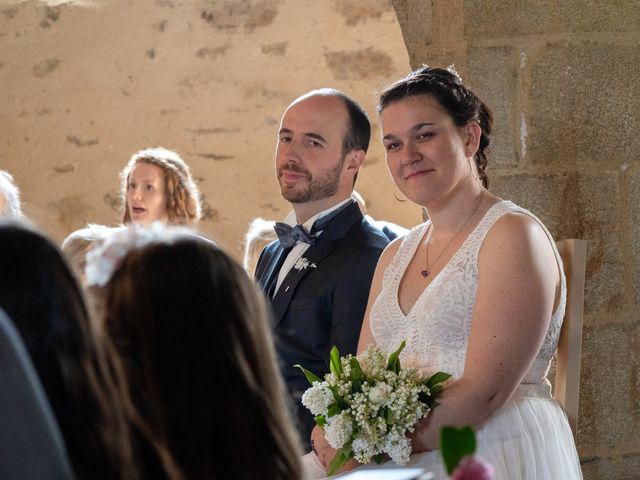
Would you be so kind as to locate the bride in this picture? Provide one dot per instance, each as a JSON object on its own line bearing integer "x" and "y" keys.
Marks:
{"x": 477, "y": 291}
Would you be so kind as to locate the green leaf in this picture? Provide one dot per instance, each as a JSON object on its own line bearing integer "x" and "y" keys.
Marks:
{"x": 388, "y": 415}
{"x": 436, "y": 391}
{"x": 334, "y": 361}
{"x": 321, "y": 420}
{"x": 455, "y": 444}
{"x": 379, "y": 458}
{"x": 339, "y": 400}
{"x": 394, "y": 359}
{"x": 356, "y": 387}
{"x": 334, "y": 409}
{"x": 357, "y": 375}
{"x": 341, "y": 458}
{"x": 311, "y": 377}
{"x": 437, "y": 378}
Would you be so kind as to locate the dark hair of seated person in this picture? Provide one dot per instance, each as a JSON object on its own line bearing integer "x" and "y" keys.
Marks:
{"x": 192, "y": 330}
{"x": 75, "y": 363}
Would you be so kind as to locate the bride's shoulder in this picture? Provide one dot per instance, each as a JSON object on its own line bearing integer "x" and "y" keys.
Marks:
{"x": 516, "y": 232}
{"x": 403, "y": 242}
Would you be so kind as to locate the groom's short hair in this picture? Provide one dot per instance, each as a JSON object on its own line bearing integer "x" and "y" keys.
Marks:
{"x": 358, "y": 134}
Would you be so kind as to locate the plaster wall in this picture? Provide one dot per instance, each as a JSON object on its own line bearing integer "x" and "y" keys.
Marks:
{"x": 85, "y": 84}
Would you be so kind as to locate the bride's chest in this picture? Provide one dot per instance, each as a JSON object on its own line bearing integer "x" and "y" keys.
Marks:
{"x": 444, "y": 305}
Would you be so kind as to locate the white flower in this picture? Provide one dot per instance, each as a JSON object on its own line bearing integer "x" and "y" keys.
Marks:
{"x": 452, "y": 70}
{"x": 338, "y": 431}
{"x": 379, "y": 393}
{"x": 317, "y": 398}
{"x": 398, "y": 447}
{"x": 105, "y": 258}
{"x": 363, "y": 450}
{"x": 303, "y": 264}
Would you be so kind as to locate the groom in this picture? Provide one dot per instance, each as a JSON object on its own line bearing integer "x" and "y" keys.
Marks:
{"x": 318, "y": 273}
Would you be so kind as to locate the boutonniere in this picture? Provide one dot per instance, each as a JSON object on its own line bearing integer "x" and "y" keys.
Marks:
{"x": 303, "y": 264}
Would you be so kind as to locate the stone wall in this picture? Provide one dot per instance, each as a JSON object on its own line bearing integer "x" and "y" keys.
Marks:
{"x": 562, "y": 78}
{"x": 85, "y": 84}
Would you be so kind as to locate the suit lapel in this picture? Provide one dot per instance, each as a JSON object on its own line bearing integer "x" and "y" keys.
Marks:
{"x": 337, "y": 229}
{"x": 269, "y": 278}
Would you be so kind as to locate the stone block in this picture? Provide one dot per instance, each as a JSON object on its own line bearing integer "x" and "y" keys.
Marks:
{"x": 625, "y": 467}
{"x": 495, "y": 18}
{"x": 583, "y": 104}
{"x": 414, "y": 17}
{"x": 441, "y": 56}
{"x": 634, "y": 221}
{"x": 578, "y": 205}
{"x": 609, "y": 411}
{"x": 493, "y": 77}
{"x": 610, "y": 16}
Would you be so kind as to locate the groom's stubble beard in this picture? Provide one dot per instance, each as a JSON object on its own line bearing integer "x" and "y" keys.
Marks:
{"x": 317, "y": 189}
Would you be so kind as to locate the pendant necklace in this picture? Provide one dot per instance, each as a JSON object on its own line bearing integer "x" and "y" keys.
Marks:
{"x": 427, "y": 271}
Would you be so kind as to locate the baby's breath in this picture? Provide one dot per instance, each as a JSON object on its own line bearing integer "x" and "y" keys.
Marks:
{"x": 377, "y": 404}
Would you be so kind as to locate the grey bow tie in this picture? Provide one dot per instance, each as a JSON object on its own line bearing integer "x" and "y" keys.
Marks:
{"x": 289, "y": 235}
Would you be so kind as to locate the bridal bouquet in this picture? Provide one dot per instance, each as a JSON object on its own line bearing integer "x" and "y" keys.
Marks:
{"x": 368, "y": 403}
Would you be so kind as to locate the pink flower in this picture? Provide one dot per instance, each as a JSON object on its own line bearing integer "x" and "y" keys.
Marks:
{"x": 473, "y": 468}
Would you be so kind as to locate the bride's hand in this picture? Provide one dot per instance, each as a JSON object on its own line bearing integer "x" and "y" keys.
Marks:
{"x": 326, "y": 452}
{"x": 423, "y": 438}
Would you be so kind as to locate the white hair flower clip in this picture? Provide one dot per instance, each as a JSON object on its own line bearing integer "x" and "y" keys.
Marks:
{"x": 105, "y": 258}
{"x": 452, "y": 70}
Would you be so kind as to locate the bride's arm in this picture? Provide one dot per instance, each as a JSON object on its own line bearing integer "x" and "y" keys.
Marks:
{"x": 518, "y": 283}
{"x": 320, "y": 446}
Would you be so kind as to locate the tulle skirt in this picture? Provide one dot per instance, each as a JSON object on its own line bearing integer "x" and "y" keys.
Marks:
{"x": 528, "y": 439}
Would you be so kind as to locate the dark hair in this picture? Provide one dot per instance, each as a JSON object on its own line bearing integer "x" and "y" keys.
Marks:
{"x": 192, "y": 329}
{"x": 460, "y": 102}
{"x": 358, "y": 133}
{"x": 43, "y": 299}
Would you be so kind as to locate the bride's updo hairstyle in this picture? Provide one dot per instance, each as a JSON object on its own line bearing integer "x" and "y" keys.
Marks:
{"x": 193, "y": 331}
{"x": 445, "y": 85}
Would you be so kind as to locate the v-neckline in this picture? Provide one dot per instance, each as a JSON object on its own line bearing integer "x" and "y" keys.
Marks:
{"x": 427, "y": 225}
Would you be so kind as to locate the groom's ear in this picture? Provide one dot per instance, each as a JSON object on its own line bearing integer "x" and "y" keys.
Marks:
{"x": 354, "y": 160}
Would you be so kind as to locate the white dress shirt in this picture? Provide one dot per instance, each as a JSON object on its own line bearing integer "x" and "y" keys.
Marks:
{"x": 299, "y": 248}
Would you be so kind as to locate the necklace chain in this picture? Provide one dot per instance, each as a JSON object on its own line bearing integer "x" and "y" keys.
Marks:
{"x": 427, "y": 271}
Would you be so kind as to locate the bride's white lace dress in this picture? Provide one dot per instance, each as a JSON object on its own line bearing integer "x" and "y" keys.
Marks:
{"x": 528, "y": 438}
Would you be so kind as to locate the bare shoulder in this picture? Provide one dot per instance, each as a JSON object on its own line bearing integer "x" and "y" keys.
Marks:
{"x": 516, "y": 227}
{"x": 516, "y": 238}
{"x": 390, "y": 251}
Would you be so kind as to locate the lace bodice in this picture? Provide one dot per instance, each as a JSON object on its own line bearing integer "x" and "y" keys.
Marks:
{"x": 437, "y": 327}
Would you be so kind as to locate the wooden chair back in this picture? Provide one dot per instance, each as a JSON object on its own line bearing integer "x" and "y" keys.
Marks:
{"x": 567, "y": 379}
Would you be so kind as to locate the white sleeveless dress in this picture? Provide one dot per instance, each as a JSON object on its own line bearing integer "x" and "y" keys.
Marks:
{"x": 528, "y": 438}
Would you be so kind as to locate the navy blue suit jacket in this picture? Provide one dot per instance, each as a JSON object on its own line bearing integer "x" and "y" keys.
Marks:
{"x": 317, "y": 308}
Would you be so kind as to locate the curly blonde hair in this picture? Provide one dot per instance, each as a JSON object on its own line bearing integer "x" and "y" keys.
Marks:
{"x": 183, "y": 196}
